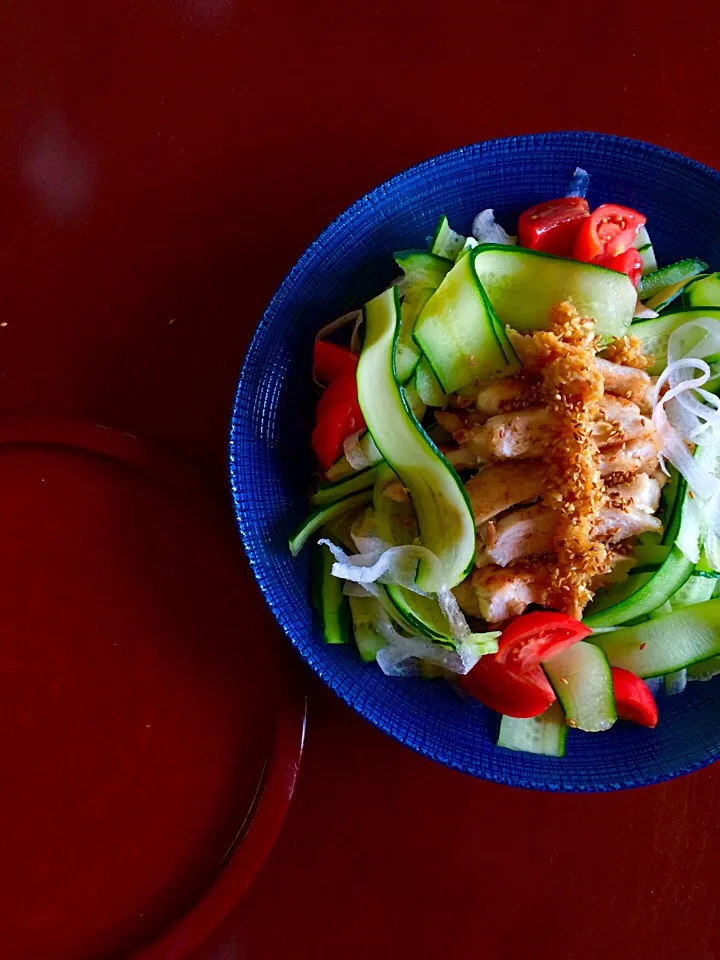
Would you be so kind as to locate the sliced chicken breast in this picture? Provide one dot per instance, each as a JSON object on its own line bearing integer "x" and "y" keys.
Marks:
{"x": 503, "y": 485}
{"x": 529, "y": 531}
{"x": 497, "y": 397}
{"x": 627, "y": 382}
{"x": 620, "y": 420}
{"x": 520, "y": 434}
{"x": 631, "y": 457}
{"x": 500, "y": 594}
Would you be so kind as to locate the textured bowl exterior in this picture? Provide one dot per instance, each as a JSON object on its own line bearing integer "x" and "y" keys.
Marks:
{"x": 269, "y": 446}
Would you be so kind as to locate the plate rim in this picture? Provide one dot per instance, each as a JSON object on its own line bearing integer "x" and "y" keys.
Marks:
{"x": 261, "y": 825}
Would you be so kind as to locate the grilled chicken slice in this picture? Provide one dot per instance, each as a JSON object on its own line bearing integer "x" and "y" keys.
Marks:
{"x": 497, "y": 397}
{"x": 631, "y": 457}
{"x": 496, "y": 594}
{"x": 459, "y": 457}
{"x": 520, "y": 434}
{"x": 504, "y": 485}
{"x": 530, "y": 433}
{"x": 451, "y": 421}
{"x": 620, "y": 420}
{"x": 627, "y": 382}
{"x": 529, "y": 531}
{"x": 523, "y": 533}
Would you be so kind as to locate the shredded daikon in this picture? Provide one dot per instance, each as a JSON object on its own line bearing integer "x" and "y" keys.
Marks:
{"x": 579, "y": 184}
{"x": 486, "y": 229}
{"x": 360, "y": 450}
{"x": 685, "y": 413}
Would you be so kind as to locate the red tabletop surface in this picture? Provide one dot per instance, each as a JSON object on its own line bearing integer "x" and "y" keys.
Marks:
{"x": 162, "y": 165}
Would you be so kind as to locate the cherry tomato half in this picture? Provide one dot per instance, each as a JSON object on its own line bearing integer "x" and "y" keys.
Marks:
{"x": 330, "y": 361}
{"x": 332, "y": 428}
{"x": 535, "y": 637}
{"x": 506, "y": 690}
{"x": 340, "y": 393}
{"x": 633, "y": 700}
{"x": 611, "y": 230}
{"x": 553, "y": 226}
{"x": 629, "y": 262}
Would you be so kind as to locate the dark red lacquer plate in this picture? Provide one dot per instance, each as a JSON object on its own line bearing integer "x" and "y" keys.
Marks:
{"x": 148, "y": 743}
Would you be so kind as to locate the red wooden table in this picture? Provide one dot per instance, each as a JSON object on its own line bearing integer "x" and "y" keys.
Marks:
{"x": 197, "y": 147}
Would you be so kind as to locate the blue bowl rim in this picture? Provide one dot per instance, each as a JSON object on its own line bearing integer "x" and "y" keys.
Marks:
{"x": 563, "y": 136}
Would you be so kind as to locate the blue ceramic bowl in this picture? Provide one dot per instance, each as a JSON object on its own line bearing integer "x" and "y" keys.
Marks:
{"x": 271, "y": 465}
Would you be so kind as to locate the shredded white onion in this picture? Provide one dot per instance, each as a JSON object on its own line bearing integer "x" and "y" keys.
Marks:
{"x": 396, "y": 565}
{"x": 456, "y": 618}
{"x": 401, "y": 655}
{"x": 379, "y": 563}
{"x": 579, "y": 184}
{"x": 685, "y": 412}
{"x": 485, "y": 229}
{"x": 360, "y": 454}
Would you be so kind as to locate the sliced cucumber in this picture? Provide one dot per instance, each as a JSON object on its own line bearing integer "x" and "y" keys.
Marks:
{"x": 328, "y": 598}
{"x": 706, "y": 670}
{"x": 659, "y": 288}
{"x": 545, "y": 735}
{"x": 617, "y": 593}
{"x": 671, "y": 501}
{"x": 364, "y": 611}
{"x": 667, "y": 644}
{"x": 649, "y": 557}
{"x": 444, "y": 517}
{"x": 651, "y": 593}
{"x": 331, "y": 492}
{"x": 697, "y": 589}
{"x": 321, "y": 515}
{"x": 522, "y": 285}
{"x": 339, "y": 470}
{"x": 658, "y": 612}
{"x": 581, "y": 678}
{"x": 394, "y": 520}
{"x": 457, "y": 330}
{"x": 469, "y": 245}
{"x": 422, "y": 269}
{"x": 644, "y": 247}
{"x": 414, "y": 400}
{"x": 704, "y": 292}
{"x": 395, "y": 523}
{"x": 446, "y": 242}
{"x": 427, "y": 386}
{"x": 424, "y": 273}
{"x": 654, "y": 334}
{"x": 421, "y": 613}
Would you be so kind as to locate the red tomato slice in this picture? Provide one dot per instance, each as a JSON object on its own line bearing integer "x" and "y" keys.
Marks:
{"x": 553, "y": 226}
{"x": 331, "y": 430}
{"x": 341, "y": 393}
{"x": 633, "y": 699}
{"x": 629, "y": 262}
{"x": 503, "y": 689}
{"x": 535, "y": 637}
{"x": 611, "y": 229}
{"x": 330, "y": 360}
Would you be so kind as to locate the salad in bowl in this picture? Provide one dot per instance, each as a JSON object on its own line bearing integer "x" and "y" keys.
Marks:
{"x": 518, "y": 449}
